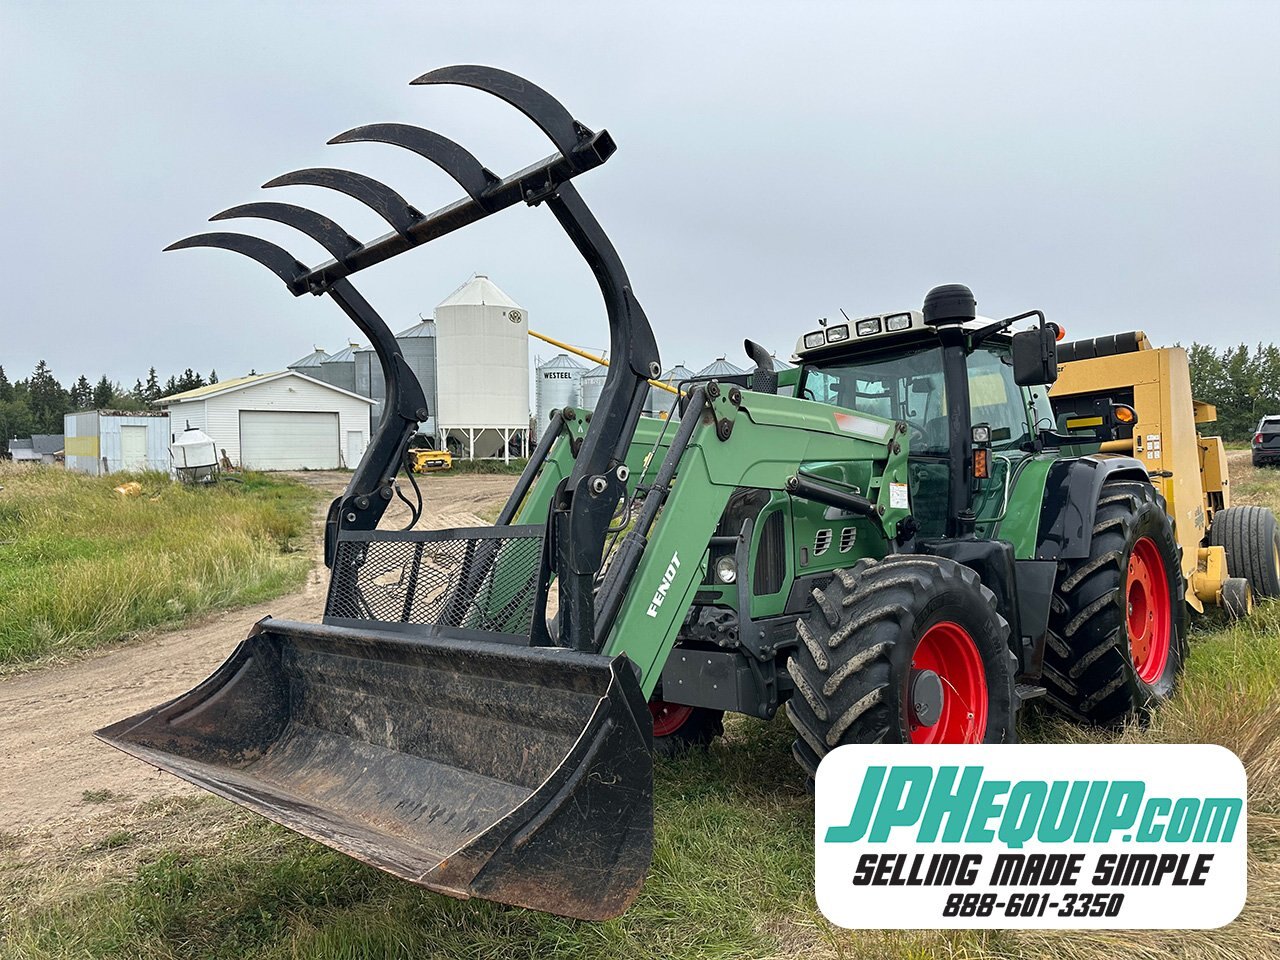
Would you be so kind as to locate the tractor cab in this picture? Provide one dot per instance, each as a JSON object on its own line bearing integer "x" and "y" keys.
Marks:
{"x": 893, "y": 366}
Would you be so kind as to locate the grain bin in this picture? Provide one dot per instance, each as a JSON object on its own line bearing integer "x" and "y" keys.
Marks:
{"x": 661, "y": 402}
{"x": 593, "y": 385}
{"x": 720, "y": 367}
{"x": 482, "y": 338}
{"x": 559, "y": 385}
{"x": 338, "y": 369}
{"x": 309, "y": 364}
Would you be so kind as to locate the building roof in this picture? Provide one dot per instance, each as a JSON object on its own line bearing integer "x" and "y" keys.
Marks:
{"x": 479, "y": 291}
{"x": 427, "y": 328}
{"x": 312, "y": 359}
{"x": 48, "y": 443}
{"x": 20, "y": 443}
{"x": 229, "y": 386}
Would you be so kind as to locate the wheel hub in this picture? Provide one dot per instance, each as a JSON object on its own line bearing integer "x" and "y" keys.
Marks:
{"x": 927, "y": 698}
{"x": 1148, "y": 617}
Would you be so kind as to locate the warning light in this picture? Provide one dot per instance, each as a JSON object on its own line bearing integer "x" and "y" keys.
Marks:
{"x": 981, "y": 463}
{"x": 1061, "y": 332}
{"x": 1126, "y": 415}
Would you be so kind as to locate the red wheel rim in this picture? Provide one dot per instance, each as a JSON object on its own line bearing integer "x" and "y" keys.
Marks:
{"x": 668, "y": 717}
{"x": 1148, "y": 612}
{"x": 949, "y": 651}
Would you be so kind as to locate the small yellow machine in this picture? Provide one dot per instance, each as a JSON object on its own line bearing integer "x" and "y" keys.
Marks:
{"x": 1229, "y": 554}
{"x": 429, "y": 461}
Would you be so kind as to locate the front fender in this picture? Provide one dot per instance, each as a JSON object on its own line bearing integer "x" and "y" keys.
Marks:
{"x": 1071, "y": 502}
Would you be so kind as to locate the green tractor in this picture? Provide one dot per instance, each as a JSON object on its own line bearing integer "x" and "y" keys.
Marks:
{"x": 888, "y": 540}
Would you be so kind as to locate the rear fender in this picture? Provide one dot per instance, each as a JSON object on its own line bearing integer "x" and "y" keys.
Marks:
{"x": 1071, "y": 502}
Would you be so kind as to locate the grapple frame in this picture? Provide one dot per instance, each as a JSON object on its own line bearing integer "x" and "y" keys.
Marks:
{"x": 464, "y": 747}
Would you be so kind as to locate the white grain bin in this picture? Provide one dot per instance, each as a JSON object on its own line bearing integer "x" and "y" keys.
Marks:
{"x": 482, "y": 385}
{"x": 661, "y": 403}
{"x": 593, "y": 385}
{"x": 195, "y": 459}
{"x": 559, "y": 385}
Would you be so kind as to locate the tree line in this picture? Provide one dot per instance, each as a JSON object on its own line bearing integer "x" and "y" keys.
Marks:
{"x": 1242, "y": 382}
{"x": 38, "y": 403}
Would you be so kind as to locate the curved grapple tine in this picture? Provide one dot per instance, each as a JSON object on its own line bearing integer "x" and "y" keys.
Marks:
{"x": 453, "y": 159}
{"x": 375, "y": 195}
{"x": 276, "y": 259}
{"x": 317, "y": 226}
{"x": 535, "y": 103}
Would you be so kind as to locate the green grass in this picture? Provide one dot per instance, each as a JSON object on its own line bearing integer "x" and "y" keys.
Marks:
{"x": 81, "y": 565}
{"x": 514, "y": 468}
{"x": 731, "y": 874}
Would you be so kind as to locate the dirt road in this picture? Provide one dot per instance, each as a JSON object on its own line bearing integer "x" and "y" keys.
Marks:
{"x": 47, "y": 717}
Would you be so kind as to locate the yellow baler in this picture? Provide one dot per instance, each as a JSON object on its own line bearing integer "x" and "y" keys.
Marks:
{"x": 1190, "y": 470}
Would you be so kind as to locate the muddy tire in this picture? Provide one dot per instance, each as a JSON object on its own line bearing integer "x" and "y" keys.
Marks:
{"x": 909, "y": 649}
{"x": 1117, "y": 623}
{"x": 677, "y": 728}
{"x": 1251, "y": 538}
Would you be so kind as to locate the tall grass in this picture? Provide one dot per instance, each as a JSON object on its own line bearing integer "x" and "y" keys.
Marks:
{"x": 81, "y": 565}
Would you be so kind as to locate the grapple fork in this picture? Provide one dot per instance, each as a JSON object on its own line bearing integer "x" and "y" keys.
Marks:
{"x": 431, "y": 726}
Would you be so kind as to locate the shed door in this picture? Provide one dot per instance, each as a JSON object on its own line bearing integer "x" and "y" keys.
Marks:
{"x": 133, "y": 448}
{"x": 288, "y": 440}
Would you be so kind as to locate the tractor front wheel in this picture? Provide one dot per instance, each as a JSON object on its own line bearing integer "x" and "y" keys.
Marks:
{"x": 1116, "y": 638}
{"x": 679, "y": 728}
{"x": 909, "y": 649}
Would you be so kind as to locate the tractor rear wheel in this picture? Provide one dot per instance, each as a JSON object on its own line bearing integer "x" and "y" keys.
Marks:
{"x": 909, "y": 649}
{"x": 1116, "y": 641}
{"x": 1252, "y": 541}
{"x": 678, "y": 728}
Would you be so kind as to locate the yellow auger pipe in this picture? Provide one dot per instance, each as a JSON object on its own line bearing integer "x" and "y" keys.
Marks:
{"x": 591, "y": 356}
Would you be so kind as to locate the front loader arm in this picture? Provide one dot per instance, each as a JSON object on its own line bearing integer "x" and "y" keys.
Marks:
{"x": 736, "y": 439}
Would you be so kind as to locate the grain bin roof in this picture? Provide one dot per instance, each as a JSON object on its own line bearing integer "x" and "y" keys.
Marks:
{"x": 427, "y": 328}
{"x": 313, "y": 359}
{"x": 346, "y": 355}
{"x": 562, "y": 361}
{"x": 719, "y": 367}
{"x": 478, "y": 291}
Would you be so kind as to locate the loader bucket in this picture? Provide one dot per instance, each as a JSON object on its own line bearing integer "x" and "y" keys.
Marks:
{"x": 473, "y": 767}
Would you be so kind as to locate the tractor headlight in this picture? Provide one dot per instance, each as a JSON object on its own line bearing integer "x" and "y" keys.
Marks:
{"x": 816, "y": 339}
{"x": 727, "y": 570}
{"x": 981, "y": 434}
{"x": 899, "y": 321}
{"x": 836, "y": 334}
{"x": 867, "y": 328}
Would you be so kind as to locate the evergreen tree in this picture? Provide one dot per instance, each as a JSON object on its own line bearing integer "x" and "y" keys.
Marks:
{"x": 103, "y": 394}
{"x": 48, "y": 400}
{"x": 151, "y": 391}
{"x": 138, "y": 391}
{"x": 81, "y": 394}
{"x": 213, "y": 376}
{"x": 170, "y": 387}
{"x": 6, "y": 388}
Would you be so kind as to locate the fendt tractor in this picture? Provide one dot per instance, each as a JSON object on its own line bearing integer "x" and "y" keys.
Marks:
{"x": 896, "y": 541}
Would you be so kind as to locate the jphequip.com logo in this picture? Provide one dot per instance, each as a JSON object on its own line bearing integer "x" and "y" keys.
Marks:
{"x": 1122, "y": 835}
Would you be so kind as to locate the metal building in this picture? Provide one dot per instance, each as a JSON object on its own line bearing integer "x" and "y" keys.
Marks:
{"x": 338, "y": 369}
{"x": 108, "y": 441}
{"x": 660, "y": 403}
{"x": 559, "y": 385}
{"x": 482, "y": 339}
{"x": 593, "y": 385}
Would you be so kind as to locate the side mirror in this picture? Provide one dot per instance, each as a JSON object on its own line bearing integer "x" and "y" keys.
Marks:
{"x": 1035, "y": 356}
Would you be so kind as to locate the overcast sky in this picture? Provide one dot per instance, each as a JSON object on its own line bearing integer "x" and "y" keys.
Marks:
{"x": 1116, "y": 164}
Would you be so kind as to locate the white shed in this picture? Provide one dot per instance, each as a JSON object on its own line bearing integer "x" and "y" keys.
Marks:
{"x": 276, "y": 421}
{"x": 109, "y": 441}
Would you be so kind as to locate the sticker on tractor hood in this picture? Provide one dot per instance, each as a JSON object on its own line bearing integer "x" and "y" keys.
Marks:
{"x": 1121, "y": 836}
{"x": 660, "y": 596}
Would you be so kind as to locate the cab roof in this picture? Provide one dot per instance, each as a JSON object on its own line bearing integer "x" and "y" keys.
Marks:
{"x": 876, "y": 331}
